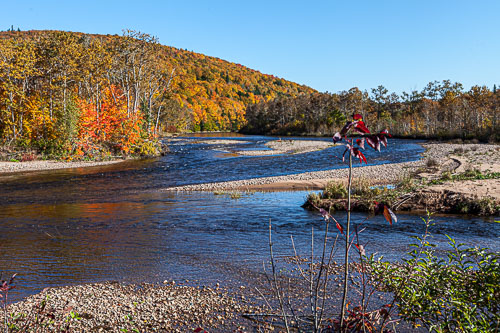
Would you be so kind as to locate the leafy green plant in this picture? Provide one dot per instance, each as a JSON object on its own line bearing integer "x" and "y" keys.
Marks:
{"x": 334, "y": 190}
{"x": 452, "y": 292}
{"x": 471, "y": 174}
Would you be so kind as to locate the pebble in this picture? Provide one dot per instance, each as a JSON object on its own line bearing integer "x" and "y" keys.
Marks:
{"x": 9, "y": 167}
{"x": 383, "y": 173}
{"x": 117, "y": 307}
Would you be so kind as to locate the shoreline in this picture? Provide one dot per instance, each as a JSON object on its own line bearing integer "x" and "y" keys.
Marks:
{"x": 45, "y": 165}
{"x": 121, "y": 307}
{"x": 305, "y": 181}
{"x": 439, "y": 160}
{"x": 381, "y": 174}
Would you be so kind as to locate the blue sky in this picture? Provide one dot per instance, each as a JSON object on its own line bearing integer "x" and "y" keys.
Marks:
{"x": 327, "y": 45}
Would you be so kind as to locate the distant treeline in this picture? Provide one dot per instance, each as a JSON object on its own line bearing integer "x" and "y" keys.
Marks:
{"x": 442, "y": 110}
{"x": 75, "y": 94}
{"x": 83, "y": 96}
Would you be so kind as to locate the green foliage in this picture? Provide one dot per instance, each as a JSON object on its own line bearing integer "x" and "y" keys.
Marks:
{"x": 442, "y": 110}
{"x": 472, "y": 174}
{"x": 456, "y": 291}
{"x": 334, "y": 190}
{"x": 313, "y": 198}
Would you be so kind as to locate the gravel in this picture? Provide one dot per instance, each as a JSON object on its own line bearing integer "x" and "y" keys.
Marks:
{"x": 221, "y": 142}
{"x": 9, "y": 167}
{"x": 382, "y": 174}
{"x": 288, "y": 147}
{"x": 116, "y": 307}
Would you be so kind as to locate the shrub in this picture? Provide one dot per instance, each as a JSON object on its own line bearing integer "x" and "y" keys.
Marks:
{"x": 313, "y": 198}
{"x": 146, "y": 148}
{"x": 454, "y": 292}
{"x": 459, "y": 150}
{"x": 334, "y": 190}
{"x": 432, "y": 162}
{"x": 485, "y": 206}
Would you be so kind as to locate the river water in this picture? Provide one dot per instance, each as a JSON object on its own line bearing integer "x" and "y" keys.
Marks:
{"x": 116, "y": 222}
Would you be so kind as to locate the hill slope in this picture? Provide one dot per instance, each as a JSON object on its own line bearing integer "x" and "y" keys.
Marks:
{"x": 51, "y": 80}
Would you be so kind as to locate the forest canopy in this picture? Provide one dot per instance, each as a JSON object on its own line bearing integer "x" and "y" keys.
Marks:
{"x": 442, "y": 110}
{"x": 75, "y": 94}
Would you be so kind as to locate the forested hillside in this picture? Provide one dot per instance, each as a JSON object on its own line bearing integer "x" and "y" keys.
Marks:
{"x": 88, "y": 96}
{"x": 441, "y": 110}
{"x": 82, "y": 96}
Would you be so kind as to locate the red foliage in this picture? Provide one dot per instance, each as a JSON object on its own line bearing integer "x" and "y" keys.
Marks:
{"x": 381, "y": 208}
{"x": 354, "y": 152}
{"x": 108, "y": 124}
{"x": 361, "y": 127}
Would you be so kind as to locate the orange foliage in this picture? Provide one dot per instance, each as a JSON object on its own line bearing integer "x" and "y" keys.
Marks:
{"x": 108, "y": 123}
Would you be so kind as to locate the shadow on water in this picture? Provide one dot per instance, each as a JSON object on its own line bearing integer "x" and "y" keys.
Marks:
{"x": 109, "y": 223}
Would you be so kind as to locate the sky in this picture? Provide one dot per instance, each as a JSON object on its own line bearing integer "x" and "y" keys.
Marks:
{"x": 328, "y": 45}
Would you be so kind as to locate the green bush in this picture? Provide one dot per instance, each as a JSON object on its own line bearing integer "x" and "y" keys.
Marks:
{"x": 456, "y": 292}
{"x": 334, "y": 190}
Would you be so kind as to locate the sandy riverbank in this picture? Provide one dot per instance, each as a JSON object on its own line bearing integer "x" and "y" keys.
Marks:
{"x": 442, "y": 153}
{"x": 10, "y": 167}
{"x": 277, "y": 147}
{"x": 438, "y": 159}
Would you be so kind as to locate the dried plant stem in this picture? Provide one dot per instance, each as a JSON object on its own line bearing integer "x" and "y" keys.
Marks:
{"x": 275, "y": 279}
{"x": 311, "y": 279}
{"x": 323, "y": 300}
{"x": 347, "y": 245}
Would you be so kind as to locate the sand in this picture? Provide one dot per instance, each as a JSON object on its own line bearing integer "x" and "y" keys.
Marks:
{"x": 277, "y": 147}
{"x": 454, "y": 158}
{"x": 11, "y": 167}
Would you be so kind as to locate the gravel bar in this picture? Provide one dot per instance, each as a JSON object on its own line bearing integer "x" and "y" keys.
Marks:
{"x": 10, "y": 167}
{"x": 116, "y": 307}
{"x": 288, "y": 147}
{"x": 379, "y": 174}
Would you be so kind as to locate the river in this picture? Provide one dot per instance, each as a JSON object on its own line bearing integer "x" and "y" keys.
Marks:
{"x": 116, "y": 222}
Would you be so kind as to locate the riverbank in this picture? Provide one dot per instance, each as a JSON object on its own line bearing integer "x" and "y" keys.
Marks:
{"x": 464, "y": 181}
{"x": 439, "y": 162}
{"x": 117, "y": 307}
{"x": 41, "y": 165}
{"x": 287, "y": 147}
{"x": 377, "y": 174}
{"x": 273, "y": 147}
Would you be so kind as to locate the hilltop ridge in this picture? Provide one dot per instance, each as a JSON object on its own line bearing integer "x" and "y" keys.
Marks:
{"x": 209, "y": 93}
{"x": 71, "y": 93}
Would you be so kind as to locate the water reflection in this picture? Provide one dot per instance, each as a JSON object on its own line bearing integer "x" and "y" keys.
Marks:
{"x": 195, "y": 236}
